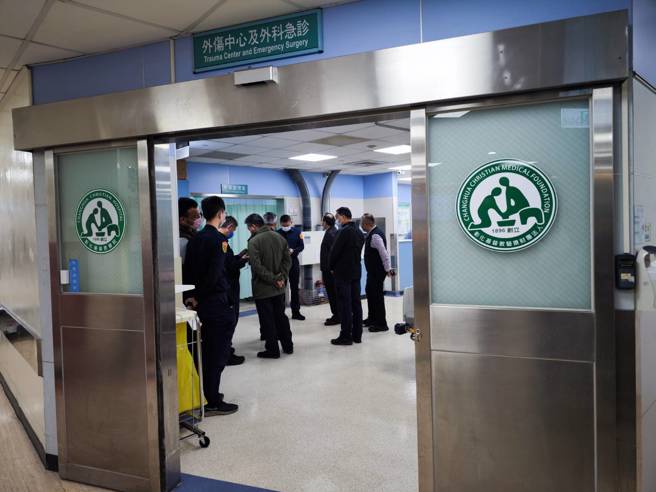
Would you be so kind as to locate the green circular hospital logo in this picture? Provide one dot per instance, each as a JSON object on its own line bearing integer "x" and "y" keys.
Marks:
{"x": 100, "y": 221}
{"x": 506, "y": 205}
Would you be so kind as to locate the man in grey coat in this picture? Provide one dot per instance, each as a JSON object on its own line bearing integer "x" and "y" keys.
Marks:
{"x": 270, "y": 263}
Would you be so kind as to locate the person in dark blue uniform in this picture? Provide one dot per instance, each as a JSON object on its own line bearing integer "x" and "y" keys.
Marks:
{"x": 234, "y": 264}
{"x": 204, "y": 267}
{"x": 294, "y": 239}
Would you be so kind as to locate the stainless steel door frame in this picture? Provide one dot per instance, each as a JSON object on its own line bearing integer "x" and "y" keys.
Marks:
{"x": 97, "y": 318}
{"x": 421, "y": 279}
{"x": 595, "y": 327}
{"x": 603, "y": 136}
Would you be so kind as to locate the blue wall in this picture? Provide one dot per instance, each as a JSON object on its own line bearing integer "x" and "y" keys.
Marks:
{"x": 125, "y": 70}
{"x": 360, "y": 26}
{"x": 207, "y": 178}
{"x": 405, "y": 193}
{"x": 379, "y": 185}
{"x": 644, "y": 39}
{"x": 451, "y": 18}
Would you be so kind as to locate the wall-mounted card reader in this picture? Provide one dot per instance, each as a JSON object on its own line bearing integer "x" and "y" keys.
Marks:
{"x": 625, "y": 271}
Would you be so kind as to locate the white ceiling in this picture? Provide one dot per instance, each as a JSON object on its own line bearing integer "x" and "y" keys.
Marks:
{"x": 36, "y": 31}
{"x": 273, "y": 150}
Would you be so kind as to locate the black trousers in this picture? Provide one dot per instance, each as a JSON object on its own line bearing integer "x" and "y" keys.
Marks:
{"x": 376, "y": 300}
{"x": 294, "y": 277}
{"x": 218, "y": 327}
{"x": 275, "y": 323}
{"x": 350, "y": 307}
{"x": 235, "y": 297}
{"x": 329, "y": 283}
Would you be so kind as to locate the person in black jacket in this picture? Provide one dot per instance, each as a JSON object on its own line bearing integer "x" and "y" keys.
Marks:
{"x": 204, "y": 267}
{"x": 296, "y": 244}
{"x": 234, "y": 264}
{"x": 345, "y": 264}
{"x": 328, "y": 223}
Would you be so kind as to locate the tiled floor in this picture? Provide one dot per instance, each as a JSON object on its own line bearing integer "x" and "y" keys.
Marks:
{"x": 324, "y": 419}
{"x": 20, "y": 467}
{"x": 321, "y": 420}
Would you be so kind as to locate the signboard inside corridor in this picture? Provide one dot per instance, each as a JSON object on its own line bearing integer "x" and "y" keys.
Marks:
{"x": 269, "y": 39}
{"x": 506, "y": 205}
{"x": 100, "y": 221}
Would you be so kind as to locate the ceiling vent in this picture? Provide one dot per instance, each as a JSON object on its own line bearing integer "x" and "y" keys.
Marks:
{"x": 222, "y": 156}
{"x": 339, "y": 140}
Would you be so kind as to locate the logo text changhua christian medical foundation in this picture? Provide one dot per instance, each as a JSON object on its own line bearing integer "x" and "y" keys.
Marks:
{"x": 506, "y": 205}
{"x": 100, "y": 221}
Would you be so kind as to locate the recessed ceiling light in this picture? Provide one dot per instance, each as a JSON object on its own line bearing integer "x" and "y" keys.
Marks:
{"x": 407, "y": 167}
{"x": 313, "y": 157}
{"x": 492, "y": 153}
{"x": 395, "y": 150}
{"x": 452, "y": 114}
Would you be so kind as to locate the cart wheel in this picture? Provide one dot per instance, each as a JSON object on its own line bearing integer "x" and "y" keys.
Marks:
{"x": 204, "y": 442}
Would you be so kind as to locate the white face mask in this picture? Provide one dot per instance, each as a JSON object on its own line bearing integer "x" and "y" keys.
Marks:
{"x": 286, "y": 228}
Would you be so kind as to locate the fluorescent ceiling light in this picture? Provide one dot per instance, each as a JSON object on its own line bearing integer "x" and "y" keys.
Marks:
{"x": 452, "y": 114}
{"x": 405, "y": 179}
{"x": 492, "y": 153}
{"x": 407, "y": 167}
{"x": 433, "y": 164}
{"x": 313, "y": 157}
{"x": 395, "y": 150}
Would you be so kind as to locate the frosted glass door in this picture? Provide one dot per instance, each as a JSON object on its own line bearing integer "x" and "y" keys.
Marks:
{"x": 99, "y": 221}
{"x": 515, "y": 234}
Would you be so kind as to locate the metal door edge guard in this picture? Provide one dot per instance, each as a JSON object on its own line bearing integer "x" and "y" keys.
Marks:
{"x": 595, "y": 46}
{"x": 544, "y": 334}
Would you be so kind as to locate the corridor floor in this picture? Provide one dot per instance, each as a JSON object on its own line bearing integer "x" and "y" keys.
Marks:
{"x": 321, "y": 420}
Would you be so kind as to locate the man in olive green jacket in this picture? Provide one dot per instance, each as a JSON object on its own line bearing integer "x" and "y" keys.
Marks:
{"x": 270, "y": 263}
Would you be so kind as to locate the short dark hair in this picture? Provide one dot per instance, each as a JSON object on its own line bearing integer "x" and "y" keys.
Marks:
{"x": 285, "y": 218}
{"x": 270, "y": 218}
{"x": 230, "y": 221}
{"x": 185, "y": 204}
{"x": 254, "y": 220}
{"x": 368, "y": 218}
{"x": 329, "y": 219}
{"x": 212, "y": 206}
{"x": 345, "y": 212}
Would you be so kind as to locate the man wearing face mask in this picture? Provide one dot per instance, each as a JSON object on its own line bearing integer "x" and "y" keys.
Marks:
{"x": 234, "y": 264}
{"x": 345, "y": 264}
{"x": 205, "y": 268}
{"x": 270, "y": 262}
{"x": 294, "y": 239}
{"x": 190, "y": 222}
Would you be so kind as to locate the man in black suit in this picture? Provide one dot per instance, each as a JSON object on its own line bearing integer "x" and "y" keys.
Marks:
{"x": 345, "y": 264}
{"x": 328, "y": 223}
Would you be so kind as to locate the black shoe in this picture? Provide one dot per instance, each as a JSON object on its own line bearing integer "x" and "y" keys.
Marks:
{"x": 268, "y": 355}
{"x": 236, "y": 360}
{"x": 332, "y": 322}
{"x": 366, "y": 322}
{"x": 298, "y": 316}
{"x": 341, "y": 341}
{"x": 222, "y": 408}
{"x": 357, "y": 340}
{"x": 374, "y": 329}
{"x": 288, "y": 350}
